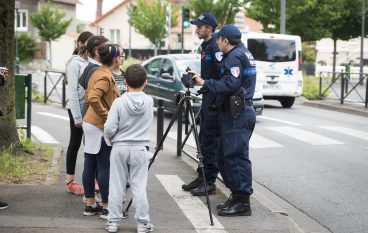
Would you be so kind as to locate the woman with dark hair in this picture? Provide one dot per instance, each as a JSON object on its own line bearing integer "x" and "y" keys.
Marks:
{"x": 75, "y": 95}
{"x": 100, "y": 94}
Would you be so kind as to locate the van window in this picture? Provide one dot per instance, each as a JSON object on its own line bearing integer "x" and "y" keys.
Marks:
{"x": 153, "y": 68}
{"x": 272, "y": 50}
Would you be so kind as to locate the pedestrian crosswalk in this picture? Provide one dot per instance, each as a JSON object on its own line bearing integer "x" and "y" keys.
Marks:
{"x": 284, "y": 135}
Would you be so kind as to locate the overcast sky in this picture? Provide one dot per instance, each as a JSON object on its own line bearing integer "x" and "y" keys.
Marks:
{"x": 87, "y": 10}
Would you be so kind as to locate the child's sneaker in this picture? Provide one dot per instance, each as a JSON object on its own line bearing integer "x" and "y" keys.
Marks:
{"x": 104, "y": 213}
{"x": 112, "y": 226}
{"x": 91, "y": 210}
{"x": 144, "y": 228}
{"x": 3, "y": 205}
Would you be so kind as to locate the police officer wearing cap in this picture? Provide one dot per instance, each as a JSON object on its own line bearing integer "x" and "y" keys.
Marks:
{"x": 210, "y": 69}
{"x": 236, "y": 119}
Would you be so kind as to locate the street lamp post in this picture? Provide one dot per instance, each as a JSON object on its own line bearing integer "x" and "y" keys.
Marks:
{"x": 17, "y": 6}
{"x": 130, "y": 28}
{"x": 362, "y": 43}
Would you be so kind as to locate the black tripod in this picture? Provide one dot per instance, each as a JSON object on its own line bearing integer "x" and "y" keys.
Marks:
{"x": 188, "y": 101}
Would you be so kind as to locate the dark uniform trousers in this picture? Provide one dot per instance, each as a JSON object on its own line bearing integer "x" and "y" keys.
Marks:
{"x": 233, "y": 149}
{"x": 208, "y": 136}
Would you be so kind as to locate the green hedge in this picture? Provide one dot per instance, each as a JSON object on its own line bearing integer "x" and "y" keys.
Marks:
{"x": 311, "y": 88}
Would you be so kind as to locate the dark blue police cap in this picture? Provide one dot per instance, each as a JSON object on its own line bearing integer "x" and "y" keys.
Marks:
{"x": 230, "y": 31}
{"x": 205, "y": 18}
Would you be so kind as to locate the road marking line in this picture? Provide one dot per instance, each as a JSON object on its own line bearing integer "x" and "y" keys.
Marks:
{"x": 259, "y": 142}
{"x": 42, "y": 136}
{"x": 278, "y": 120}
{"x": 193, "y": 208}
{"x": 352, "y": 132}
{"x": 305, "y": 136}
{"x": 53, "y": 115}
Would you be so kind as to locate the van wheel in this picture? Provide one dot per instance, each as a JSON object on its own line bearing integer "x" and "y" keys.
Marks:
{"x": 287, "y": 102}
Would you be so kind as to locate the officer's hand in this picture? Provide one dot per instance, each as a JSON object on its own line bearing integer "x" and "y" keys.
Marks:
{"x": 198, "y": 80}
{"x": 78, "y": 125}
{"x": 192, "y": 72}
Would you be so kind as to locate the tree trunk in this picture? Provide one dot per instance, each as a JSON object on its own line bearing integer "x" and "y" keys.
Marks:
{"x": 8, "y": 129}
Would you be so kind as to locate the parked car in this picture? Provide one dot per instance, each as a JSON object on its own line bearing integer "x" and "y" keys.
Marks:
{"x": 163, "y": 77}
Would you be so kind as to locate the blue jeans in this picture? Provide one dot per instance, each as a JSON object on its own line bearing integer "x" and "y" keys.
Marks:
{"x": 92, "y": 163}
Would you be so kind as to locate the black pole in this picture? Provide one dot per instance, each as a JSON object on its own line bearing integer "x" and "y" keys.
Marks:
{"x": 342, "y": 88}
{"x": 182, "y": 31}
{"x": 160, "y": 122}
{"x": 366, "y": 90}
{"x": 45, "y": 88}
{"x": 180, "y": 130}
{"x": 29, "y": 104}
{"x": 63, "y": 92}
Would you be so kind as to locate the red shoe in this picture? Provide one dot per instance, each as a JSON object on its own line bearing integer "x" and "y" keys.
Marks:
{"x": 75, "y": 188}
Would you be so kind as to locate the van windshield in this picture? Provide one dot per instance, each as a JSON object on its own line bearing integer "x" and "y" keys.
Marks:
{"x": 272, "y": 50}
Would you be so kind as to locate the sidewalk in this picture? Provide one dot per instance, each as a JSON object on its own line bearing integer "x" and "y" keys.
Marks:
{"x": 49, "y": 208}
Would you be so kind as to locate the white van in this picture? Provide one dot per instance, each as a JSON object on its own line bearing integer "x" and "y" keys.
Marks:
{"x": 278, "y": 63}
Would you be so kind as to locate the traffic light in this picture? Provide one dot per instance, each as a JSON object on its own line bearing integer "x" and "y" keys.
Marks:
{"x": 185, "y": 17}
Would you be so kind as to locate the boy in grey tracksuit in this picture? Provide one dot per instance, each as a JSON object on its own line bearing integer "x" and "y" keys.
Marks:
{"x": 127, "y": 126}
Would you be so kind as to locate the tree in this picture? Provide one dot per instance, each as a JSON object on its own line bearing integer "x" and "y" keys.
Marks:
{"x": 8, "y": 130}
{"x": 50, "y": 23}
{"x": 149, "y": 20}
{"x": 27, "y": 46}
{"x": 224, "y": 10}
{"x": 312, "y": 20}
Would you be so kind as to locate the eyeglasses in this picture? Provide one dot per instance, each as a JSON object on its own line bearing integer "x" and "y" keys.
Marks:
{"x": 122, "y": 56}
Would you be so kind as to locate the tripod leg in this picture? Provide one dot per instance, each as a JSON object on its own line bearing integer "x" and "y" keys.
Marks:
{"x": 191, "y": 129}
{"x": 158, "y": 148}
{"x": 200, "y": 157}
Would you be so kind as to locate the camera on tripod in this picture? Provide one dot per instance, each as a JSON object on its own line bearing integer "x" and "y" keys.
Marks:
{"x": 187, "y": 79}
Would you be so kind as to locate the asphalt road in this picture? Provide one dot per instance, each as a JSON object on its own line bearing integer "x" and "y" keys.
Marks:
{"x": 316, "y": 160}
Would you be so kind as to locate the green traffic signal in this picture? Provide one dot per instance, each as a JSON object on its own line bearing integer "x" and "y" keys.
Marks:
{"x": 186, "y": 24}
{"x": 185, "y": 17}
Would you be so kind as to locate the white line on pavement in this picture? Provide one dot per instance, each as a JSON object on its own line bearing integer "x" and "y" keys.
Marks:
{"x": 42, "y": 136}
{"x": 192, "y": 207}
{"x": 278, "y": 120}
{"x": 53, "y": 115}
{"x": 258, "y": 142}
{"x": 352, "y": 132}
{"x": 305, "y": 136}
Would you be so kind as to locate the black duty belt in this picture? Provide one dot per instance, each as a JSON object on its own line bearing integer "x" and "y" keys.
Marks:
{"x": 248, "y": 102}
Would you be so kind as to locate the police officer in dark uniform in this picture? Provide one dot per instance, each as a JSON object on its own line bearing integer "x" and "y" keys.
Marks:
{"x": 210, "y": 69}
{"x": 236, "y": 119}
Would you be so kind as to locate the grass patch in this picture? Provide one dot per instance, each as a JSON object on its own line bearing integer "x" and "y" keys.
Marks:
{"x": 130, "y": 61}
{"x": 311, "y": 88}
{"x": 28, "y": 168}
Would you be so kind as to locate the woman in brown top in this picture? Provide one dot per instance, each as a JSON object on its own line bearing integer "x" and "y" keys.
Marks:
{"x": 100, "y": 94}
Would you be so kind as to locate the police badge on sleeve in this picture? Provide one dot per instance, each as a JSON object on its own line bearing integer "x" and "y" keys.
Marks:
{"x": 235, "y": 71}
{"x": 218, "y": 56}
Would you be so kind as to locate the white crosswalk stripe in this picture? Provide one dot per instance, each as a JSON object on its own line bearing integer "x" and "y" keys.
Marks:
{"x": 305, "y": 136}
{"x": 193, "y": 208}
{"x": 351, "y": 132}
{"x": 53, "y": 115}
{"x": 279, "y": 120}
{"x": 258, "y": 142}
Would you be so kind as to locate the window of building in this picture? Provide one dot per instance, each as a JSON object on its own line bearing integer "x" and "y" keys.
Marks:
{"x": 115, "y": 36}
{"x": 21, "y": 21}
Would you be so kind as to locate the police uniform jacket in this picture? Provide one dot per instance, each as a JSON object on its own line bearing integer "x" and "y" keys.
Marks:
{"x": 238, "y": 70}
{"x": 210, "y": 67}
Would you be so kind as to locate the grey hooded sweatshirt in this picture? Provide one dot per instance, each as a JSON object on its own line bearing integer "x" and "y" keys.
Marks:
{"x": 75, "y": 93}
{"x": 129, "y": 120}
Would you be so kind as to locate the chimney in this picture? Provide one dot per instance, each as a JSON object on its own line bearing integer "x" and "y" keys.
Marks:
{"x": 99, "y": 8}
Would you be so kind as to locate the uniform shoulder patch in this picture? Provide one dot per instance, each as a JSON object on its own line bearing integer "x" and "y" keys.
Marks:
{"x": 235, "y": 71}
{"x": 218, "y": 56}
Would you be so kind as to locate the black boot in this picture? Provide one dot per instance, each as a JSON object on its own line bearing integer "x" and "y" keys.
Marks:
{"x": 238, "y": 206}
{"x": 201, "y": 191}
{"x": 225, "y": 204}
{"x": 192, "y": 185}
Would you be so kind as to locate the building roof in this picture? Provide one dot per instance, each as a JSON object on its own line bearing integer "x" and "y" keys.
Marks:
{"x": 102, "y": 17}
